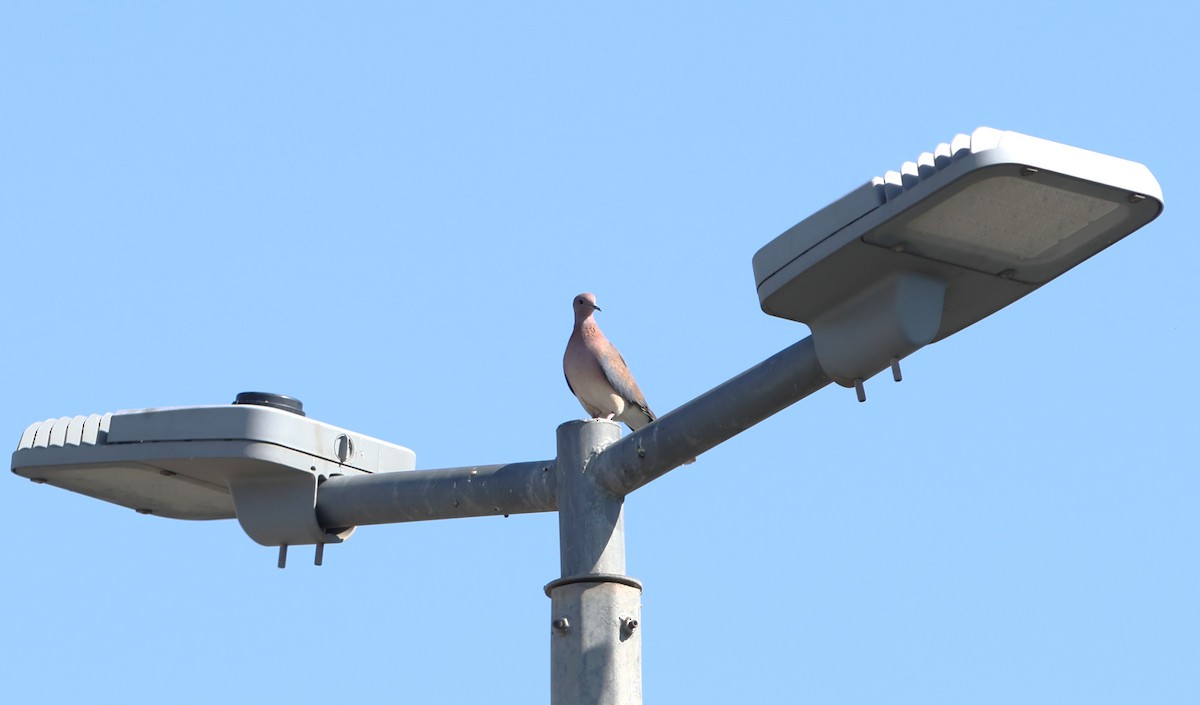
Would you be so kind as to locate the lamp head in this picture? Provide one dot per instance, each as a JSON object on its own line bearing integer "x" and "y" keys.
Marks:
{"x": 259, "y": 459}
{"x": 980, "y": 222}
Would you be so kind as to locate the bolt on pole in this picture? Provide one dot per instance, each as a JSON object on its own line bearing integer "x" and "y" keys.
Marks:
{"x": 595, "y": 643}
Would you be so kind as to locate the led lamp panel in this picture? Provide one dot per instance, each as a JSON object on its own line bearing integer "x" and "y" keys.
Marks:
{"x": 1013, "y": 220}
{"x": 1006, "y": 218}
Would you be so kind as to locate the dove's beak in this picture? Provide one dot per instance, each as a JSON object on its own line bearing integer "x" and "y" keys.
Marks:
{"x": 596, "y": 307}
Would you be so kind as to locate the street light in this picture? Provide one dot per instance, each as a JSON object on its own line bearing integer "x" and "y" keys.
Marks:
{"x": 896, "y": 264}
{"x": 259, "y": 459}
{"x": 912, "y": 257}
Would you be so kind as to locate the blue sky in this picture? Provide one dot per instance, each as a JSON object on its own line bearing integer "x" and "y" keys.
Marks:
{"x": 384, "y": 209}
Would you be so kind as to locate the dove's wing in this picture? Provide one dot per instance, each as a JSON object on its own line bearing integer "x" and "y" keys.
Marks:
{"x": 637, "y": 411}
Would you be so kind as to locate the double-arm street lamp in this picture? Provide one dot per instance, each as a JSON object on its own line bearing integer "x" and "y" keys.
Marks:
{"x": 900, "y": 262}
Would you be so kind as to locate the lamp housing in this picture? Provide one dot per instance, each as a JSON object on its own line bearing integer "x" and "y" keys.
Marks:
{"x": 259, "y": 459}
{"x": 988, "y": 218}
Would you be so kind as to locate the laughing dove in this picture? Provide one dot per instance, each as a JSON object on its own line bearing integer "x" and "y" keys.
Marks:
{"x": 597, "y": 374}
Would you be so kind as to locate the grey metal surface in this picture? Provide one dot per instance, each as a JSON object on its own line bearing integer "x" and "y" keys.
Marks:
{"x": 519, "y": 488}
{"x": 595, "y": 643}
{"x": 892, "y": 319}
{"x": 591, "y": 523}
{"x": 710, "y": 419}
{"x": 478, "y": 490}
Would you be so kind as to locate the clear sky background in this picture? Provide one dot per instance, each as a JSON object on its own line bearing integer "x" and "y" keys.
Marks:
{"x": 384, "y": 209}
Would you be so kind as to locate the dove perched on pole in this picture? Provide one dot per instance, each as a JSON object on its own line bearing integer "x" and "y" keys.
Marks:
{"x": 597, "y": 374}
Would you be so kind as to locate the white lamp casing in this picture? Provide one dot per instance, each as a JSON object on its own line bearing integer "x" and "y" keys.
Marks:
{"x": 918, "y": 254}
{"x": 260, "y": 464}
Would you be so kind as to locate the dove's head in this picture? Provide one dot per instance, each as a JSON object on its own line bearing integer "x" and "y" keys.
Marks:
{"x": 584, "y": 305}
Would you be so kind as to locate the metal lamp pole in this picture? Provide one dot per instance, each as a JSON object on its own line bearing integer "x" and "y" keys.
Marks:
{"x": 596, "y": 645}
